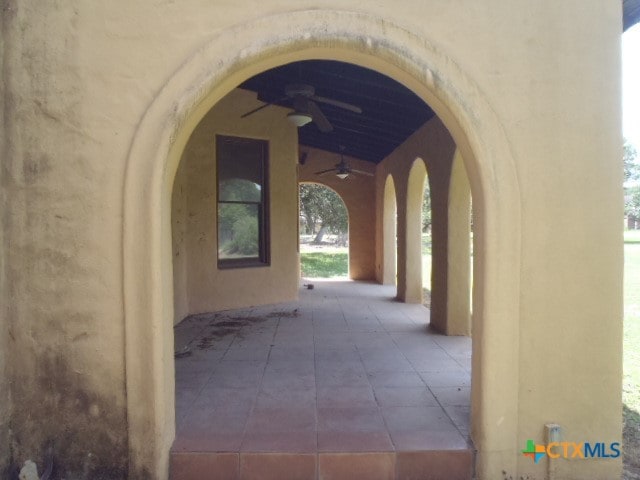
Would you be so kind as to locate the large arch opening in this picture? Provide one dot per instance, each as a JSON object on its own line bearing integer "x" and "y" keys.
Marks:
{"x": 324, "y": 232}
{"x": 148, "y": 367}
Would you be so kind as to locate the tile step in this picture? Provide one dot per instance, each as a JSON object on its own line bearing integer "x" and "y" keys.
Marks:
{"x": 405, "y": 465}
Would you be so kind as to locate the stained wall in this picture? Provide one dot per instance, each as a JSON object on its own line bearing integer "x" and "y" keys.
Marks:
{"x": 102, "y": 98}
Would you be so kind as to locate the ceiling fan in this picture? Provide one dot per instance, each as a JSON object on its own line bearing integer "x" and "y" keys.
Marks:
{"x": 342, "y": 168}
{"x": 303, "y": 98}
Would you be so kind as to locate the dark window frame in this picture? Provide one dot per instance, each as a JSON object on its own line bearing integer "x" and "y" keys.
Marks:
{"x": 264, "y": 245}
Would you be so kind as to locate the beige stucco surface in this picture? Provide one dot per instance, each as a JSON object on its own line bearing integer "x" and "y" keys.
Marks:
{"x": 433, "y": 146}
{"x": 459, "y": 251}
{"x": 4, "y": 298}
{"x": 358, "y": 194}
{"x": 386, "y": 233}
{"x": 197, "y": 277}
{"x": 102, "y": 98}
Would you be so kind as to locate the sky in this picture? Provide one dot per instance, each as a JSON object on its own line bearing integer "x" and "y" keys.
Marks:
{"x": 631, "y": 85}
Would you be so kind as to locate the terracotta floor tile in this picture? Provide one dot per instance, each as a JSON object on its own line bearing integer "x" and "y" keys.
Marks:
{"x": 349, "y": 441}
{"x": 454, "y": 345}
{"x": 429, "y": 440}
{"x": 434, "y": 364}
{"x": 281, "y": 419}
{"x": 464, "y": 361}
{"x": 277, "y": 397}
{"x": 453, "y": 396}
{"x": 461, "y": 416}
{"x": 350, "y": 419}
{"x": 216, "y": 396}
{"x": 337, "y": 355}
{"x": 287, "y": 441}
{"x": 289, "y": 381}
{"x": 342, "y": 378}
{"x": 330, "y": 340}
{"x": 435, "y": 465}
{"x": 404, "y": 397}
{"x": 208, "y": 441}
{"x": 393, "y": 379}
{"x": 447, "y": 378}
{"x": 289, "y": 354}
{"x": 234, "y": 379}
{"x": 246, "y": 353}
{"x": 204, "y": 466}
{"x": 363, "y": 466}
{"x": 348, "y": 374}
{"x": 256, "y": 466}
{"x": 407, "y": 419}
{"x": 387, "y": 366}
{"x": 340, "y": 396}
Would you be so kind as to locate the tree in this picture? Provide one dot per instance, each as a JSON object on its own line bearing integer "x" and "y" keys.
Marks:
{"x": 631, "y": 168}
{"x": 426, "y": 207}
{"x": 632, "y": 202}
{"x": 322, "y": 206}
{"x": 632, "y": 194}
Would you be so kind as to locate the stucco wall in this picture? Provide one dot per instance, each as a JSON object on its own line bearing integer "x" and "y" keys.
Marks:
{"x": 207, "y": 287}
{"x": 4, "y": 299}
{"x": 63, "y": 168}
{"x": 100, "y": 95}
{"x": 179, "y": 236}
{"x": 358, "y": 195}
{"x": 433, "y": 144}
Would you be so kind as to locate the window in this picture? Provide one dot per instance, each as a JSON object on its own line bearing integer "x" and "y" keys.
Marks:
{"x": 242, "y": 202}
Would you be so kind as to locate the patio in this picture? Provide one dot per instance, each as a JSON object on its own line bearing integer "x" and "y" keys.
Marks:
{"x": 344, "y": 383}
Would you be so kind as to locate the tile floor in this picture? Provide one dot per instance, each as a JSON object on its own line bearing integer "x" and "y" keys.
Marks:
{"x": 344, "y": 383}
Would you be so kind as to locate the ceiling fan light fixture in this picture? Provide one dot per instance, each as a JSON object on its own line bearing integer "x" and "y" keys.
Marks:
{"x": 299, "y": 119}
{"x": 342, "y": 175}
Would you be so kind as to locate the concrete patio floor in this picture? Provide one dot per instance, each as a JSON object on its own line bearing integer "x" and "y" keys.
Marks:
{"x": 344, "y": 383}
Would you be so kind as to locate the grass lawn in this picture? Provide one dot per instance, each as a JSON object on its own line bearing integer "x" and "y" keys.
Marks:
{"x": 328, "y": 262}
{"x": 631, "y": 366}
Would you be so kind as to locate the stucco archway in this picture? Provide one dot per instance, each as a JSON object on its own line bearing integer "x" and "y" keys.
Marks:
{"x": 410, "y": 235}
{"x": 339, "y": 198}
{"x": 238, "y": 53}
{"x": 389, "y": 233}
{"x": 358, "y": 194}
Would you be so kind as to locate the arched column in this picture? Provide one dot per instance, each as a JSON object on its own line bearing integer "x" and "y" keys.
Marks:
{"x": 236, "y": 54}
{"x": 389, "y": 232}
{"x": 458, "y": 251}
{"x": 439, "y": 181}
{"x": 410, "y": 236}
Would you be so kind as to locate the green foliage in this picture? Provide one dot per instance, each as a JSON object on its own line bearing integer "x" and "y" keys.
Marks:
{"x": 324, "y": 264}
{"x": 238, "y": 222}
{"x": 631, "y": 167}
{"x": 322, "y": 206}
{"x": 245, "y": 237}
{"x": 632, "y": 202}
{"x": 426, "y": 207}
{"x": 238, "y": 230}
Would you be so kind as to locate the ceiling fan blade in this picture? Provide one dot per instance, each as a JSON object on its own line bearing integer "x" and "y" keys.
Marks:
{"x": 318, "y": 117}
{"x": 337, "y": 103}
{"x": 323, "y": 172}
{"x": 255, "y": 110}
{"x": 362, "y": 172}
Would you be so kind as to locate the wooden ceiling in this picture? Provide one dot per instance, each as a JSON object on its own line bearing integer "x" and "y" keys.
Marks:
{"x": 390, "y": 111}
